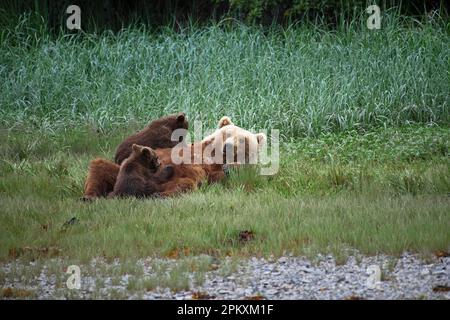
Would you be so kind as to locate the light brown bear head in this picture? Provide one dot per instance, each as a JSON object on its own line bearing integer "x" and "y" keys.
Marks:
{"x": 144, "y": 156}
{"x": 233, "y": 144}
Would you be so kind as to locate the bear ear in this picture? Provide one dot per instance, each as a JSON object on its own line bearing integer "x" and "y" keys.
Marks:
{"x": 261, "y": 138}
{"x": 146, "y": 151}
{"x": 207, "y": 142}
{"x": 181, "y": 117}
{"x": 135, "y": 147}
{"x": 225, "y": 121}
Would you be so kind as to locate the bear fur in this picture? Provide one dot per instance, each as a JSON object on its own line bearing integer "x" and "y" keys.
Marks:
{"x": 101, "y": 178}
{"x": 157, "y": 134}
{"x": 139, "y": 176}
{"x": 103, "y": 174}
{"x": 236, "y": 145}
{"x": 229, "y": 144}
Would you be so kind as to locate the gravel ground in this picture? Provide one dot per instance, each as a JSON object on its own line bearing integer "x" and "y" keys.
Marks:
{"x": 407, "y": 277}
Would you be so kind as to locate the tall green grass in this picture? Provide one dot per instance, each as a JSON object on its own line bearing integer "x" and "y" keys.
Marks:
{"x": 302, "y": 79}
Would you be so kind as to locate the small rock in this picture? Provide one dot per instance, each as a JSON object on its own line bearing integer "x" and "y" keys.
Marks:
{"x": 271, "y": 292}
{"x": 424, "y": 272}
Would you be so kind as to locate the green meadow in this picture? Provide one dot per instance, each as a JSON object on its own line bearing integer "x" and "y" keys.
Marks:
{"x": 363, "y": 118}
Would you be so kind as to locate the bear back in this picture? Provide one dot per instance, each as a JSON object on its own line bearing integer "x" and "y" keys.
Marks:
{"x": 156, "y": 135}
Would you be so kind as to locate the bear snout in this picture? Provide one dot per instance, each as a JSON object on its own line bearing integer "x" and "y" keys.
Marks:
{"x": 229, "y": 152}
{"x": 228, "y": 148}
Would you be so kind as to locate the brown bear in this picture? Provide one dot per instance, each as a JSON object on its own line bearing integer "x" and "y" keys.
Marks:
{"x": 101, "y": 178}
{"x": 103, "y": 174}
{"x": 238, "y": 146}
{"x": 139, "y": 176}
{"x": 192, "y": 173}
{"x": 156, "y": 135}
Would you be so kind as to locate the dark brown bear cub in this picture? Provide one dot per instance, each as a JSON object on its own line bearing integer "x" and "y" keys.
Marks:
{"x": 156, "y": 135}
{"x": 138, "y": 175}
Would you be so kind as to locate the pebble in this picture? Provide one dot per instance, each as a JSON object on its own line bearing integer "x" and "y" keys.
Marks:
{"x": 425, "y": 272}
{"x": 288, "y": 277}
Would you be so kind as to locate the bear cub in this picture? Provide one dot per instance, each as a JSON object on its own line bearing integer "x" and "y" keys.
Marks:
{"x": 138, "y": 175}
{"x": 156, "y": 135}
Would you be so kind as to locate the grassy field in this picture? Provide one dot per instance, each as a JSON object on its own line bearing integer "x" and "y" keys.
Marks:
{"x": 363, "y": 116}
{"x": 382, "y": 191}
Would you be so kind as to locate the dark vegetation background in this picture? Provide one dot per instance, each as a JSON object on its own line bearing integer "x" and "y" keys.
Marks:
{"x": 116, "y": 14}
